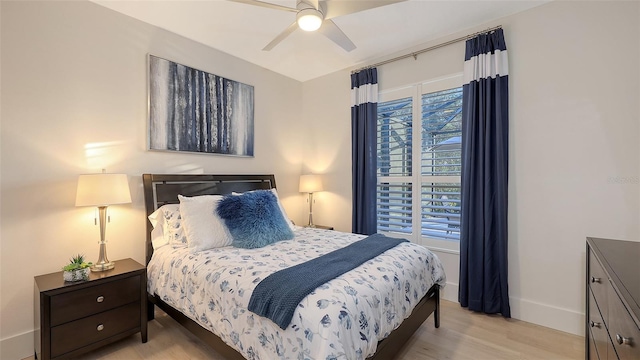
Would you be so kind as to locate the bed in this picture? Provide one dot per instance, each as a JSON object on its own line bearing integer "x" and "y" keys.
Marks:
{"x": 329, "y": 323}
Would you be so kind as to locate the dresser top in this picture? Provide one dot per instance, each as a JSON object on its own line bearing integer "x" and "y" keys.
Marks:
{"x": 622, "y": 260}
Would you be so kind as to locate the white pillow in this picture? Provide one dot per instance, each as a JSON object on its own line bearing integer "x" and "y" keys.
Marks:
{"x": 167, "y": 227}
{"x": 203, "y": 227}
{"x": 157, "y": 234}
{"x": 284, "y": 213}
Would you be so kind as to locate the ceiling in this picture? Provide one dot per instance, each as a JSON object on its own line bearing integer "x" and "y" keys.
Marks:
{"x": 243, "y": 30}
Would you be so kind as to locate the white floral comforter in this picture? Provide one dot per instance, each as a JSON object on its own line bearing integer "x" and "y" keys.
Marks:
{"x": 345, "y": 318}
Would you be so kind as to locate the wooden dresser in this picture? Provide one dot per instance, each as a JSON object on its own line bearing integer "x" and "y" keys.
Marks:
{"x": 612, "y": 299}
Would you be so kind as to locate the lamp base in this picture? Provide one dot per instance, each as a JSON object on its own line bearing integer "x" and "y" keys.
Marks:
{"x": 311, "y": 224}
{"x": 103, "y": 263}
{"x": 103, "y": 266}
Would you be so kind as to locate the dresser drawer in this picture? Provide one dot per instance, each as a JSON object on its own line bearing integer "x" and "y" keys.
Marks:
{"x": 78, "y": 304}
{"x": 600, "y": 337}
{"x": 86, "y": 331}
{"x": 593, "y": 351}
{"x": 623, "y": 330}
{"x": 599, "y": 284}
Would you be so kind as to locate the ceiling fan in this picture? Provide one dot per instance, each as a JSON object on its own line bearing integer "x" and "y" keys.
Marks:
{"x": 312, "y": 15}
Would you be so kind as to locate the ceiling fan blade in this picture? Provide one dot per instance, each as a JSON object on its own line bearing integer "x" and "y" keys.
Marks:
{"x": 281, "y": 36}
{"x": 338, "y": 8}
{"x": 265, "y": 4}
{"x": 333, "y": 32}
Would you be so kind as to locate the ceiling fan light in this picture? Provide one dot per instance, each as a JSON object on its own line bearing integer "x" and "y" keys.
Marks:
{"x": 309, "y": 19}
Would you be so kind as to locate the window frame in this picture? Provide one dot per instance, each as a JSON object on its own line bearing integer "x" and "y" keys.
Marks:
{"x": 416, "y": 91}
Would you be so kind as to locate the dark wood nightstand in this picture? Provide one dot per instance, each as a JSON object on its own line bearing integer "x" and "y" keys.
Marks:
{"x": 322, "y": 227}
{"x": 72, "y": 318}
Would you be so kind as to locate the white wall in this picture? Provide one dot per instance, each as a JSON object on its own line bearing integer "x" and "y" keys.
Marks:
{"x": 574, "y": 153}
{"x": 74, "y": 100}
{"x": 326, "y": 110}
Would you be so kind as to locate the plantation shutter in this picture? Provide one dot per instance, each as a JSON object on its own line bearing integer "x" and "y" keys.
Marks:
{"x": 441, "y": 163}
{"x": 394, "y": 204}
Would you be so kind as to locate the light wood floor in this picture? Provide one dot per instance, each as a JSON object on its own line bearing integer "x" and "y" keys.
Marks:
{"x": 462, "y": 335}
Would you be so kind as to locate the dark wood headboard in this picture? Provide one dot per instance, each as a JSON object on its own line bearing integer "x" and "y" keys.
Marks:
{"x": 161, "y": 189}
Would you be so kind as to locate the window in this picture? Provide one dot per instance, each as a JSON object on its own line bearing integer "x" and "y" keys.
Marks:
{"x": 421, "y": 197}
{"x": 394, "y": 198}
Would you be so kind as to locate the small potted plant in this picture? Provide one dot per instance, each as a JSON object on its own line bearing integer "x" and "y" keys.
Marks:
{"x": 77, "y": 269}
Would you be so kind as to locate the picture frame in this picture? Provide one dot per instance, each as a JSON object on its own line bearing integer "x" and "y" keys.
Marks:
{"x": 191, "y": 110}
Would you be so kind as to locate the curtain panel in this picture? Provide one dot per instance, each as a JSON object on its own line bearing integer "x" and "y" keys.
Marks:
{"x": 485, "y": 170}
{"x": 364, "y": 113}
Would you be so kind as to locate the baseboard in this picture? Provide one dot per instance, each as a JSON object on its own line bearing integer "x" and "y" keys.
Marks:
{"x": 549, "y": 316}
{"x": 17, "y": 347}
{"x": 553, "y": 317}
{"x": 450, "y": 292}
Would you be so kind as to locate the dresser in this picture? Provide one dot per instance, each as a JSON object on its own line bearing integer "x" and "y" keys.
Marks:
{"x": 72, "y": 318}
{"x": 612, "y": 299}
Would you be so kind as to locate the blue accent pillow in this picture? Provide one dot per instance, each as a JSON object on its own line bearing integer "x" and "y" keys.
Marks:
{"x": 254, "y": 219}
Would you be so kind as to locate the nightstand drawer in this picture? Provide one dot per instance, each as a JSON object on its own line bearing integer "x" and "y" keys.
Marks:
{"x": 77, "y": 304}
{"x": 83, "y": 332}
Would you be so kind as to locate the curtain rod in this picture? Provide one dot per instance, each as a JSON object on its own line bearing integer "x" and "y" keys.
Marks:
{"x": 416, "y": 53}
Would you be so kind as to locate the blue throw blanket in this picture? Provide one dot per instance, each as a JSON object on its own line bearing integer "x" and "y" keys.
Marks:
{"x": 277, "y": 296}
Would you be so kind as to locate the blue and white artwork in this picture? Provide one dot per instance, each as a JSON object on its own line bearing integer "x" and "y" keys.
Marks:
{"x": 194, "y": 111}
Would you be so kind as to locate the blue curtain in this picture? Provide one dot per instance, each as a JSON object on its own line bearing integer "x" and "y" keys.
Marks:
{"x": 364, "y": 112}
{"x": 485, "y": 173}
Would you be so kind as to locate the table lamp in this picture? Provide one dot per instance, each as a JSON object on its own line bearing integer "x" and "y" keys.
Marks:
{"x": 102, "y": 190}
{"x": 310, "y": 184}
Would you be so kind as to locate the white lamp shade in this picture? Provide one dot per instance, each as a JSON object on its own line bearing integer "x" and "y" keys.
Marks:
{"x": 309, "y": 19}
{"x": 310, "y": 183}
{"x": 103, "y": 190}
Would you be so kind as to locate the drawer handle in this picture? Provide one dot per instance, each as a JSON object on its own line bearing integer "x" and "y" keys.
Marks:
{"x": 623, "y": 340}
{"x": 595, "y": 280}
{"x": 100, "y": 327}
{"x": 100, "y": 299}
{"x": 595, "y": 324}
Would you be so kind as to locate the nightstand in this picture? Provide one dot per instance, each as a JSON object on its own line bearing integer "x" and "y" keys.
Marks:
{"x": 322, "y": 227}
{"x": 72, "y": 318}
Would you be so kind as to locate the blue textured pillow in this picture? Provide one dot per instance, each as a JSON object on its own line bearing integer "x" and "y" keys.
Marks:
{"x": 254, "y": 219}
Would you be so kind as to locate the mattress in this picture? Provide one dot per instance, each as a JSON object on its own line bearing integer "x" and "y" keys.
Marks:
{"x": 344, "y": 318}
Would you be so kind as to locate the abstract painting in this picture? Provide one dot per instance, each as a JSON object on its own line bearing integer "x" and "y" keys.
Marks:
{"x": 195, "y": 111}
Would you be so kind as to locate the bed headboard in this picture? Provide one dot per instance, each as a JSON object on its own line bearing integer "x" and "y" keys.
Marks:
{"x": 161, "y": 189}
